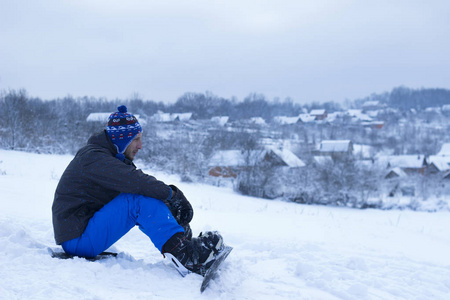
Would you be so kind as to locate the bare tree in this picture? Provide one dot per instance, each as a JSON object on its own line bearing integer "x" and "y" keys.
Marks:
{"x": 16, "y": 118}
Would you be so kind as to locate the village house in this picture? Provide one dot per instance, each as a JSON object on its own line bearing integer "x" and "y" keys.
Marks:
{"x": 306, "y": 118}
{"x": 322, "y": 160}
{"x": 395, "y": 173}
{"x": 171, "y": 117}
{"x": 99, "y": 117}
{"x": 445, "y": 150}
{"x": 319, "y": 114}
{"x": 103, "y": 118}
{"x": 335, "y": 148}
{"x": 302, "y": 118}
{"x": 410, "y": 164}
{"x": 257, "y": 121}
{"x": 371, "y": 105}
{"x": 282, "y": 120}
{"x": 438, "y": 164}
{"x": 220, "y": 120}
{"x": 358, "y": 116}
{"x": 373, "y": 124}
{"x": 228, "y": 163}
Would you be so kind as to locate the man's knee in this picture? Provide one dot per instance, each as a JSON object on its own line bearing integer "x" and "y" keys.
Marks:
{"x": 152, "y": 204}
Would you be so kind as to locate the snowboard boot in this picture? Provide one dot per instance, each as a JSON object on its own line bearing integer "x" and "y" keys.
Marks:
{"x": 196, "y": 255}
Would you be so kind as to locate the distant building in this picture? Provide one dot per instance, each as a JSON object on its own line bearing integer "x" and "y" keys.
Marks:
{"x": 99, "y": 117}
{"x": 229, "y": 163}
{"x": 441, "y": 161}
{"x": 104, "y": 117}
{"x": 437, "y": 164}
{"x": 358, "y": 115}
{"x": 395, "y": 173}
{"x": 373, "y": 124}
{"x": 220, "y": 120}
{"x": 322, "y": 160}
{"x": 319, "y": 114}
{"x": 282, "y": 120}
{"x": 171, "y": 117}
{"x": 445, "y": 150}
{"x": 257, "y": 121}
{"x": 335, "y": 148}
{"x": 181, "y": 116}
{"x": 372, "y": 105}
{"x": 306, "y": 118}
{"x": 410, "y": 164}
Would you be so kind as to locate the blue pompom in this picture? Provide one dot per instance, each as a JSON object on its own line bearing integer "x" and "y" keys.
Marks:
{"x": 122, "y": 109}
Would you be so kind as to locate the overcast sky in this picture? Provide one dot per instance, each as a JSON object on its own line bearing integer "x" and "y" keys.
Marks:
{"x": 318, "y": 50}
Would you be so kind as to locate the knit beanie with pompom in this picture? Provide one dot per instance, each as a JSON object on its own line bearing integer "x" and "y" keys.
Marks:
{"x": 121, "y": 129}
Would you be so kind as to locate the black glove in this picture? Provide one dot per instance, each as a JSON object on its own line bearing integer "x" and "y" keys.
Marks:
{"x": 180, "y": 207}
{"x": 188, "y": 232}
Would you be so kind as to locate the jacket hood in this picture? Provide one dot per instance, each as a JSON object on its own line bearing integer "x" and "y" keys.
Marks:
{"x": 101, "y": 139}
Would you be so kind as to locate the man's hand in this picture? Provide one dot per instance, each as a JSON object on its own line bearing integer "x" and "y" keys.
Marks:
{"x": 180, "y": 207}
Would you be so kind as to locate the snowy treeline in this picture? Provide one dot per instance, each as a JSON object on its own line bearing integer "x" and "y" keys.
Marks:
{"x": 186, "y": 146}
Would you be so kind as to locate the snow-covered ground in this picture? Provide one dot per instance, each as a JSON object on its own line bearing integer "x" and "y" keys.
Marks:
{"x": 281, "y": 250}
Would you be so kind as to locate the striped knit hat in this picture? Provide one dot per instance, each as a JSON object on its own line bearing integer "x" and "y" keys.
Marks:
{"x": 122, "y": 128}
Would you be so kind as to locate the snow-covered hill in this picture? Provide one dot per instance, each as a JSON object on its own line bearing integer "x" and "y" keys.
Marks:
{"x": 281, "y": 250}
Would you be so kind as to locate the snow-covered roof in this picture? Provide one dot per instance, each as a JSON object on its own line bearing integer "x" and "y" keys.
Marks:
{"x": 182, "y": 116}
{"x": 238, "y": 158}
{"x": 168, "y": 117}
{"x": 372, "y": 124}
{"x": 402, "y": 161}
{"x": 323, "y": 160}
{"x": 258, "y": 121}
{"x": 102, "y": 117}
{"x": 442, "y": 163}
{"x": 354, "y": 112}
{"x": 331, "y": 117}
{"x": 317, "y": 112}
{"x": 445, "y": 150}
{"x": 221, "y": 120}
{"x": 433, "y": 109}
{"x": 288, "y": 157}
{"x": 371, "y": 103}
{"x": 285, "y": 120}
{"x": 397, "y": 171}
{"x": 373, "y": 113}
{"x": 334, "y": 146}
{"x": 306, "y": 118}
{"x": 358, "y": 114}
{"x": 98, "y": 117}
{"x": 230, "y": 158}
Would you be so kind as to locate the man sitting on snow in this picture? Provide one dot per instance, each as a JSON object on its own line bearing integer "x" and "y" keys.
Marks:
{"x": 102, "y": 195}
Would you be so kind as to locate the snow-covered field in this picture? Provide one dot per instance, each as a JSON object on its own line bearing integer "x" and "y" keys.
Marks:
{"x": 281, "y": 250}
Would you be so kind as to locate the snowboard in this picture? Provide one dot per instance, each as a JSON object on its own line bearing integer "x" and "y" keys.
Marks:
{"x": 59, "y": 253}
{"x": 212, "y": 271}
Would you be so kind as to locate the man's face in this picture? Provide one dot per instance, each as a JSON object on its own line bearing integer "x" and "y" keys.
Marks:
{"x": 134, "y": 147}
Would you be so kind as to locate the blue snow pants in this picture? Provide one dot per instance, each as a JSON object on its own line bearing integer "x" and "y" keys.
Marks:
{"x": 117, "y": 217}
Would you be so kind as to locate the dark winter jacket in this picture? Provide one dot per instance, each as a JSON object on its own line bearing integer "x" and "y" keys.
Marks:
{"x": 92, "y": 179}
